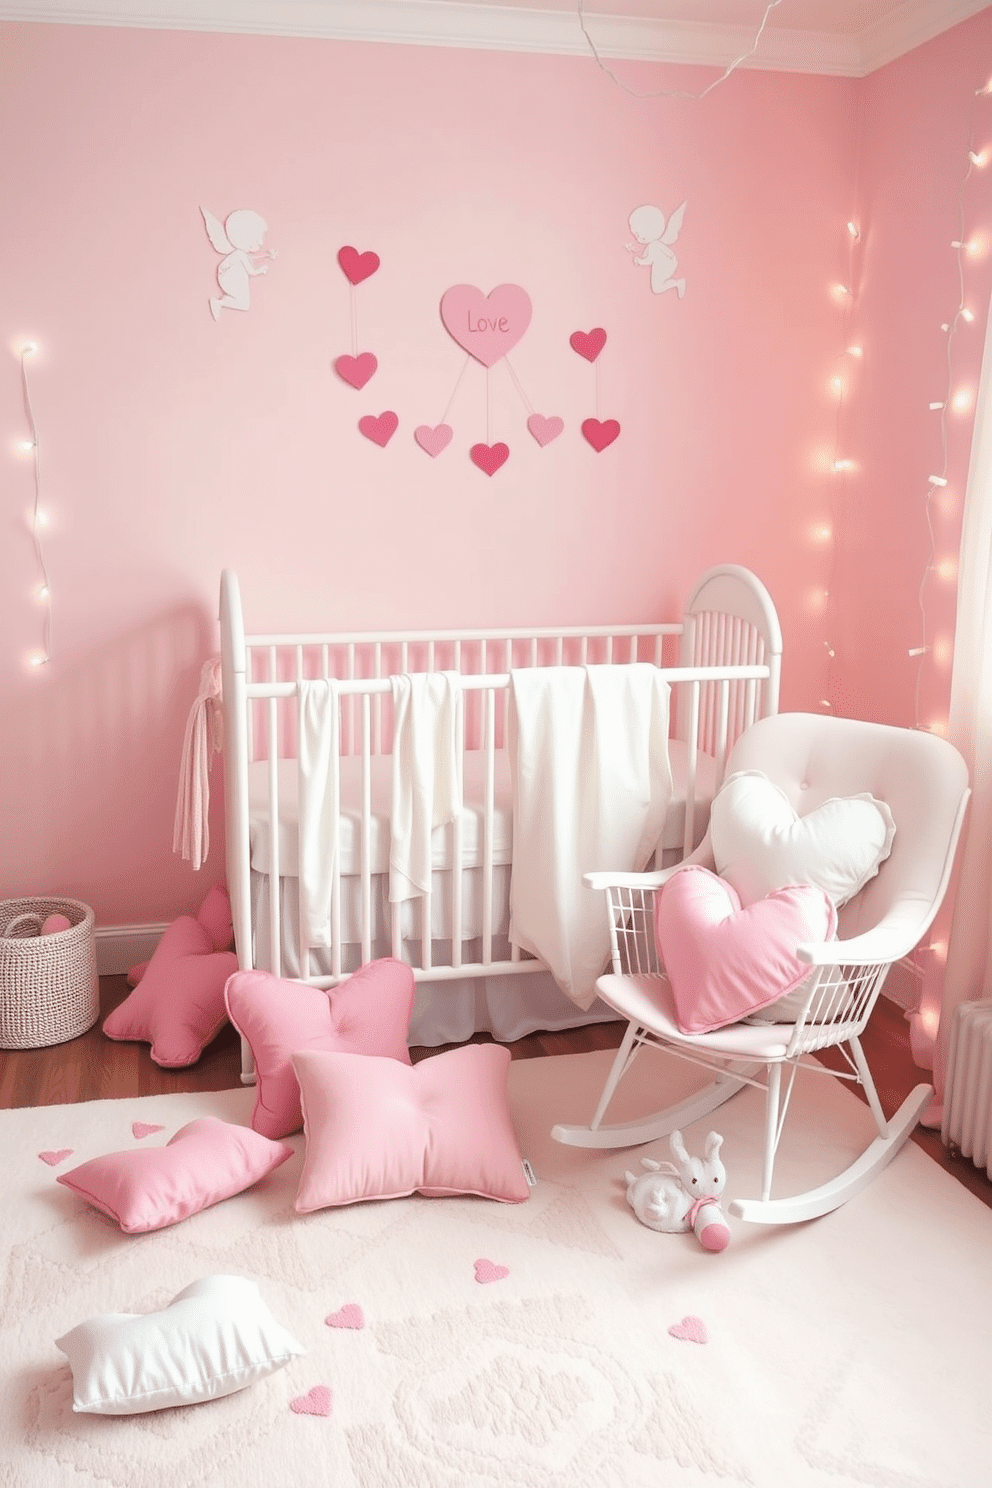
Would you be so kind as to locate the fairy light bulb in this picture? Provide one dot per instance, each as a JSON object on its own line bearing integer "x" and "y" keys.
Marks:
{"x": 855, "y": 351}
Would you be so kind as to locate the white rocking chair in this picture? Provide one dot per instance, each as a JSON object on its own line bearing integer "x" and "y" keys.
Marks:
{"x": 812, "y": 758}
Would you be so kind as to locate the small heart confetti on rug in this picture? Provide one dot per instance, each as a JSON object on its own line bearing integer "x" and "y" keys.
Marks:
{"x": 348, "y": 1316}
{"x": 141, "y": 1129}
{"x": 316, "y": 1402}
{"x": 490, "y": 1271}
{"x": 690, "y": 1330}
{"x": 54, "y": 1158}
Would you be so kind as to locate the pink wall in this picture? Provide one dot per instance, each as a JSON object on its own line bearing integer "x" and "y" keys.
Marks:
{"x": 174, "y": 446}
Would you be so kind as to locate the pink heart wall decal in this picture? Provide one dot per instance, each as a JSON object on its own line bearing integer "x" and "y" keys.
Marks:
{"x": 600, "y": 435}
{"x": 357, "y": 266}
{"x": 316, "y": 1402}
{"x": 380, "y": 429}
{"x": 588, "y": 343}
{"x": 545, "y": 429}
{"x": 724, "y": 961}
{"x": 486, "y": 1271}
{"x": 486, "y": 326}
{"x": 141, "y": 1129}
{"x": 690, "y": 1330}
{"x": 433, "y": 440}
{"x": 489, "y": 457}
{"x": 348, "y": 1316}
{"x": 356, "y": 370}
{"x": 54, "y": 1158}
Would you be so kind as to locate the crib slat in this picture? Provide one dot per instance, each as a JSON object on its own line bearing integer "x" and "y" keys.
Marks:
{"x": 457, "y": 845}
{"x": 366, "y": 829}
{"x": 487, "y": 829}
{"x": 692, "y": 746}
{"x": 275, "y": 936}
{"x": 336, "y": 839}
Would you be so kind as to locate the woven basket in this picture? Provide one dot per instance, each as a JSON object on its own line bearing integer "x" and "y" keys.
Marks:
{"x": 49, "y": 989}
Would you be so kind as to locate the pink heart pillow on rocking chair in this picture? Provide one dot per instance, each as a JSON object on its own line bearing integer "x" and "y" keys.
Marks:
{"x": 724, "y": 961}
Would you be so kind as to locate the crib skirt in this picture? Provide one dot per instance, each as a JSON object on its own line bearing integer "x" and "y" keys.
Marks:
{"x": 448, "y": 1011}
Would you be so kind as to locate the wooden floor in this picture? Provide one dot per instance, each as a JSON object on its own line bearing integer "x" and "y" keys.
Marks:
{"x": 94, "y": 1068}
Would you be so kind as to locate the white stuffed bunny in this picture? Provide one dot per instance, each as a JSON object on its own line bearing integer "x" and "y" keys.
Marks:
{"x": 684, "y": 1196}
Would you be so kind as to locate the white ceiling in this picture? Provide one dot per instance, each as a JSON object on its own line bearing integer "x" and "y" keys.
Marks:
{"x": 841, "y": 37}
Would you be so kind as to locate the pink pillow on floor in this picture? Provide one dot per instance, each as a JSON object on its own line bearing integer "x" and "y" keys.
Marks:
{"x": 178, "y": 1005}
{"x": 147, "y": 1188}
{"x": 368, "y": 1014}
{"x": 378, "y": 1129}
{"x": 724, "y": 962}
{"x": 214, "y": 914}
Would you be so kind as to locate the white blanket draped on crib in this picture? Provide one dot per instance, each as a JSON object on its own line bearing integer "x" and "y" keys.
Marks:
{"x": 591, "y": 784}
{"x": 427, "y": 781}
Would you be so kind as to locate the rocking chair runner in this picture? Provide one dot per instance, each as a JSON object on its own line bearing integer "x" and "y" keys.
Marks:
{"x": 924, "y": 781}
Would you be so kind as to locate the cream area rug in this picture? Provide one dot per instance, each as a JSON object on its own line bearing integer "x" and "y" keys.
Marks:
{"x": 586, "y": 1351}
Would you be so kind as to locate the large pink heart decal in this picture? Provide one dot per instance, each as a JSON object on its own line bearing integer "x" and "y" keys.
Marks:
{"x": 723, "y": 961}
{"x": 486, "y": 326}
{"x": 356, "y": 370}
{"x": 489, "y": 457}
{"x": 600, "y": 435}
{"x": 588, "y": 343}
{"x": 357, "y": 266}
{"x": 380, "y": 429}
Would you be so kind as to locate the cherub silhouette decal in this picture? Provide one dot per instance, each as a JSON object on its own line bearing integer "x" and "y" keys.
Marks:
{"x": 239, "y": 238}
{"x": 656, "y": 236}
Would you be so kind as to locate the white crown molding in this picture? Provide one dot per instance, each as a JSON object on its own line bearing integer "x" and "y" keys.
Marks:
{"x": 451, "y": 23}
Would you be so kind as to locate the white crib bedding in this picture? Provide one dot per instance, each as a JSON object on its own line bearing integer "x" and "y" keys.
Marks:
{"x": 380, "y": 782}
{"x": 451, "y": 1010}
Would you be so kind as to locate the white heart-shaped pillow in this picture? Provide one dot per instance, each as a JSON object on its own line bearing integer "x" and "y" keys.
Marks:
{"x": 760, "y": 843}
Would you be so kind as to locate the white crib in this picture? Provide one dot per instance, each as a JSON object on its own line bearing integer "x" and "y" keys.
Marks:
{"x": 722, "y": 661}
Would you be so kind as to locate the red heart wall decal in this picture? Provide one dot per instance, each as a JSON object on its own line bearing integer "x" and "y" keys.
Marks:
{"x": 588, "y": 343}
{"x": 600, "y": 435}
{"x": 379, "y": 429}
{"x": 356, "y": 370}
{"x": 489, "y": 457}
{"x": 357, "y": 266}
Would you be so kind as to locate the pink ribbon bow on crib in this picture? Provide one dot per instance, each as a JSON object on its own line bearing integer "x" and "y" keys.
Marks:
{"x": 191, "y": 833}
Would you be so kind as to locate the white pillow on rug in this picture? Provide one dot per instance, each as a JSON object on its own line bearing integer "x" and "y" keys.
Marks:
{"x": 760, "y": 843}
{"x": 215, "y": 1337}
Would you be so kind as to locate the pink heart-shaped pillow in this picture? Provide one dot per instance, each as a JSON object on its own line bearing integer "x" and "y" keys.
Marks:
{"x": 724, "y": 961}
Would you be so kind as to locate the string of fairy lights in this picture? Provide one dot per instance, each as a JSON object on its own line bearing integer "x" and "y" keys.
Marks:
{"x": 955, "y": 397}
{"x": 38, "y": 517}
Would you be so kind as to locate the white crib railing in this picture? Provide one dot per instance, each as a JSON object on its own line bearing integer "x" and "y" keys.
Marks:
{"x": 712, "y": 702}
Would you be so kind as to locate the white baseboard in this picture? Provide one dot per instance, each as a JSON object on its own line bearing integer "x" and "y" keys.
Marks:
{"x": 119, "y": 947}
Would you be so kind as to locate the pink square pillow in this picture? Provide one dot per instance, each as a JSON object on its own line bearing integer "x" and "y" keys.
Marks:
{"x": 178, "y": 1005}
{"x": 377, "y": 1129}
{"x": 147, "y": 1188}
{"x": 723, "y": 961}
{"x": 368, "y": 1014}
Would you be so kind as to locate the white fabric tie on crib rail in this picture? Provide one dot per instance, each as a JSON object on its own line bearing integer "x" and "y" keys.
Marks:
{"x": 427, "y": 786}
{"x": 191, "y": 830}
{"x": 318, "y": 747}
{"x": 592, "y": 781}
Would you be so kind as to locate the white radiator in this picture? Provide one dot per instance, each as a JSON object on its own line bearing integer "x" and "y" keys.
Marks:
{"x": 967, "y": 1123}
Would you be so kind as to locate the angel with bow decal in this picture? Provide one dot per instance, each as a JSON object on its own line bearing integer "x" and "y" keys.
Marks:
{"x": 656, "y": 236}
{"x": 239, "y": 238}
